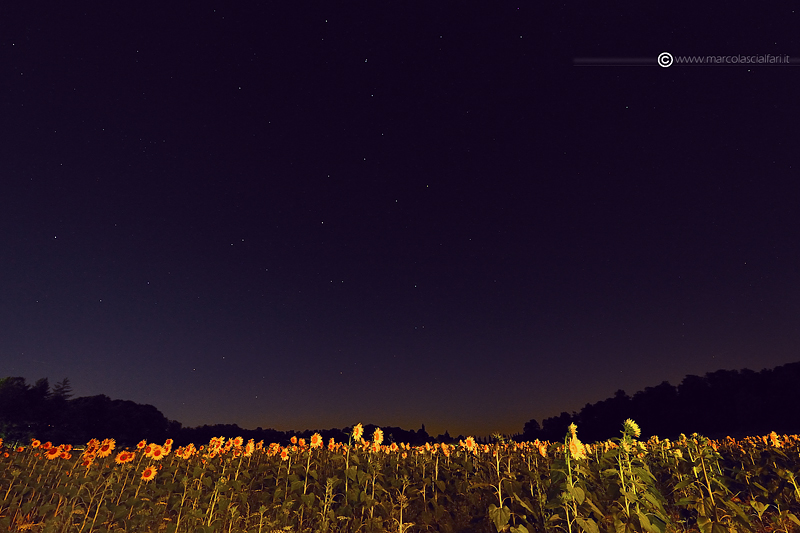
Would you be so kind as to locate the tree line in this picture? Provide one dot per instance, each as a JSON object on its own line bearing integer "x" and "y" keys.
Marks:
{"x": 720, "y": 403}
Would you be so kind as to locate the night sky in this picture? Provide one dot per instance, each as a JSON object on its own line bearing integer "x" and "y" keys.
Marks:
{"x": 393, "y": 213}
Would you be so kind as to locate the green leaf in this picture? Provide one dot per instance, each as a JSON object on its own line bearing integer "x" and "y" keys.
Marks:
{"x": 577, "y": 493}
{"x": 759, "y": 507}
{"x": 587, "y": 524}
{"x": 793, "y": 518}
{"x": 523, "y": 503}
{"x": 519, "y": 529}
{"x": 296, "y": 486}
{"x": 500, "y": 516}
{"x": 643, "y": 520}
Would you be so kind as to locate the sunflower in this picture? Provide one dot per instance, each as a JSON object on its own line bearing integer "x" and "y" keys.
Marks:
{"x": 293, "y": 440}
{"x": 142, "y": 444}
{"x": 52, "y": 452}
{"x": 358, "y": 432}
{"x": 316, "y": 440}
{"x": 35, "y": 443}
{"x": 470, "y": 444}
{"x": 632, "y": 428}
{"x": 576, "y": 448}
{"x": 124, "y": 457}
{"x": 377, "y": 437}
{"x": 106, "y": 448}
{"x": 158, "y": 453}
{"x": 238, "y": 441}
{"x": 47, "y": 445}
{"x": 445, "y": 450}
{"x": 149, "y": 473}
{"x": 284, "y": 454}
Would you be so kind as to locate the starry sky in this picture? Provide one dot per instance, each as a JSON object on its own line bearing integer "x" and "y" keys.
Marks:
{"x": 393, "y": 213}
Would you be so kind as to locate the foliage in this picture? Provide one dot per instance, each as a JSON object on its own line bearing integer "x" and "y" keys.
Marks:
{"x": 620, "y": 485}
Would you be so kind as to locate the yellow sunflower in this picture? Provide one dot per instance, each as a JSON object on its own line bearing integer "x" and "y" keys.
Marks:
{"x": 149, "y": 473}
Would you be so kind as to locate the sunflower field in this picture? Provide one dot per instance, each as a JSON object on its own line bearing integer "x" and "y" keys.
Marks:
{"x": 621, "y": 485}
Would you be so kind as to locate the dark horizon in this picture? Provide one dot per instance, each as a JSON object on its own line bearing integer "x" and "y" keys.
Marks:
{"x": 719, "y": 405}
{"x": 307, "y": 218}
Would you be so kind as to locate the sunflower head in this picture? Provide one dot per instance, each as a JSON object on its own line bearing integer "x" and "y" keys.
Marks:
{"x": 629, "y": 427}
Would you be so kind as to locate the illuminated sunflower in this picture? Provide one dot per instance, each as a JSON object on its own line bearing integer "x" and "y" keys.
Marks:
{"x": 35, "y": 443}
{"x": 250, "y": 448}
{"x": 632, "y": 428}
{"x": 47, "y": 445}
{"x": 393, "y": 447}
{"x": 284, "y": 454}
{"x": 238, "y": 441}
{"x": 773, "y": 437}
{"x": 106, "y": 448}
{"x": 293, "y": 440}
{"x": 52, "y": 453}
{"x": 576, "y": 448}
{"x": 377, "y": 437}
{"x": 316, "y": 440}
{"x": 358, "y": 432}
{"x": 445, "y": 450}
{"x": 158, "y": 453}
{"x": 149, "y": 473}
{"x": 470, "y": 444}
{"x": 142, "y": 444}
